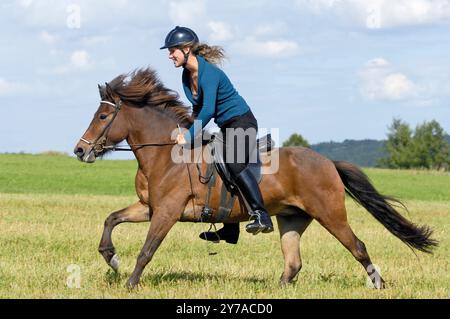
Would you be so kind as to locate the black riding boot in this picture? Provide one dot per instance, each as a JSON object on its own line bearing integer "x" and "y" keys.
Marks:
{"x": 250, "y": 189}
{"x": 229, "y": 233}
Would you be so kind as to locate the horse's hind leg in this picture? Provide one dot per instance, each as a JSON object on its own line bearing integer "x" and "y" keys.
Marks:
{"x": 291, "y": 223}
{"x": 334, "y": 219}
{"x": 138, "y": 212}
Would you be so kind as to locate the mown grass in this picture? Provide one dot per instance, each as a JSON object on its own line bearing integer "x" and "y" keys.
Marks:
{"x": 58, "y": 174}
{"x": 44, "y": 174}
{"x": 45, "y": 228}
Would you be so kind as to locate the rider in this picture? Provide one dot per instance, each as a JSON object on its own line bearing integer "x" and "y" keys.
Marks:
{"x": 213, "y": 96}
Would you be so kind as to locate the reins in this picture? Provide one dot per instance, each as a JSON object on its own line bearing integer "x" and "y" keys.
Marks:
{"x": 99, "y": 147}
{"x": 137, "y": 146}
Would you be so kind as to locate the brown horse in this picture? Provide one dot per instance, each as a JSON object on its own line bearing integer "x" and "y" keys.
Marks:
{"x": 139, "y": 109}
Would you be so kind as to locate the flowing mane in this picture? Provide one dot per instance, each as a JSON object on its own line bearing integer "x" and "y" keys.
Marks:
{"x": 143, "y": 88}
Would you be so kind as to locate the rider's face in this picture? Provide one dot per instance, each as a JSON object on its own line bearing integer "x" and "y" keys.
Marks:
{"x": 176, "y": 56}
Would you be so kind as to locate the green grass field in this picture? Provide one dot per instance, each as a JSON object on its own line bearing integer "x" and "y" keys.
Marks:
{"x": 52, "y": 210}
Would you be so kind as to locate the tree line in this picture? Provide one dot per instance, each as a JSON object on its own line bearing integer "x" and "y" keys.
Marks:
{"x": 425, "y": 147}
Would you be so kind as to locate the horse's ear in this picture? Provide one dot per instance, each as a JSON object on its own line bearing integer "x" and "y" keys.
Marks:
{"x": 101, "y": 90}
{"x": 109, "y": 91}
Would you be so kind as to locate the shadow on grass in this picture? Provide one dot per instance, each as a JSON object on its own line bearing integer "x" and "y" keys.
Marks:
{"x": 158, "y": 278}
{"x": 185, "y": 276}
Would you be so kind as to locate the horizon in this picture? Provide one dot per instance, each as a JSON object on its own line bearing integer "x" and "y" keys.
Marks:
{"x": 327, "y": 70}
{"x": 108, "y": 155}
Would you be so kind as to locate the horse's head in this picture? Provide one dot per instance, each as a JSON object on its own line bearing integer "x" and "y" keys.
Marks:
{"x": 106, "y": 129}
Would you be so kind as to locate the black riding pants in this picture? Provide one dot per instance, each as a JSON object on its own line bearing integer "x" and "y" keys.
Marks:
{"x": 239, "y": 134}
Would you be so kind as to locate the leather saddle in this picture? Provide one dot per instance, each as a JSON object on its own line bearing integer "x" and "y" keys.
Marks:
{"x": 229, "y": 189}
{"x": 264, "y": 144}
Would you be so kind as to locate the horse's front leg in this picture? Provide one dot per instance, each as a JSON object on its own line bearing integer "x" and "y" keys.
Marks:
{"x": 162, "y": 221}
{"x": 136, "y": 213}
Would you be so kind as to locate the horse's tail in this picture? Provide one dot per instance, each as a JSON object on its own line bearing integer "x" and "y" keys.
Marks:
{"x": 358, "y": 186}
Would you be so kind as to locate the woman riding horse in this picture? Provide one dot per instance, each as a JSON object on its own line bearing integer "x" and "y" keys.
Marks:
{"x": 138, "y": 108}
{"x": 213, "y": 96}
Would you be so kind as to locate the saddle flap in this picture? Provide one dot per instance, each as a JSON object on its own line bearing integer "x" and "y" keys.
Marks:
{"x": 219, "y": 163}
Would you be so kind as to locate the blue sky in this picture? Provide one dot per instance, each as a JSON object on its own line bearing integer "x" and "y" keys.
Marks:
{"x": 327, "y": 69}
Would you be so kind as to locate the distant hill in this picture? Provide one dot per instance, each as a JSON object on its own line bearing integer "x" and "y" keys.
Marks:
{"x": 364, "y": 153}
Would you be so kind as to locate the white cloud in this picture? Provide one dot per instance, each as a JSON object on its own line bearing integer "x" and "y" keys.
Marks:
{"x": 376, "y": 14}
{"x": 397, "y": 86}
{"x": 270, "y": 48}
{"x": 381, "y": 82}
{"x": 47, "y": 37}
{"x": 186, "y": 12}
{"x": 7, "y": 87}
{"x": 79, "y": 60}
{"x": 377, "y": 63}
{"x": 220, "y": 31}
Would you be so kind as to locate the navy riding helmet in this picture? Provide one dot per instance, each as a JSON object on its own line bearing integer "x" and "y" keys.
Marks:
{"x": 179, "y": 36}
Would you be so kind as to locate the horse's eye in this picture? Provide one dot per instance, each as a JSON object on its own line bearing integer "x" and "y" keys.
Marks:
{"x": 103, "y": 116}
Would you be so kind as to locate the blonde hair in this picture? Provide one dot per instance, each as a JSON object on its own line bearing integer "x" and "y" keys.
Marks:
{"x": 213, "y": 54}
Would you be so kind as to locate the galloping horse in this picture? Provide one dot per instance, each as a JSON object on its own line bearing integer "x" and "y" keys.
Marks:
{"x": 138, "y": 108}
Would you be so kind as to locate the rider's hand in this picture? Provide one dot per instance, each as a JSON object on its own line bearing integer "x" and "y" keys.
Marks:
{"x": 180, "y": 139}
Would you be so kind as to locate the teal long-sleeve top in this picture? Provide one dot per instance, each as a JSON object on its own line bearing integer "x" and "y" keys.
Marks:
{"x": 216, "y": 97}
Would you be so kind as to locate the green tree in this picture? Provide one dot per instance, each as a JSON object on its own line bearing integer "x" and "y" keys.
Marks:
{"x": 426, "y": 147}
{"x": 296, "y": 140}
{"x": 430, "y": 148}
{"x": 398, "y": 146}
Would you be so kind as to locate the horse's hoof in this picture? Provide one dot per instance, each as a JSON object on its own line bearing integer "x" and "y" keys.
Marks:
{"x": 131, "y": 284}
{"x": 284, "y": 283}
{"x": 378, "y": 284}
{"x": 114, "y": 263}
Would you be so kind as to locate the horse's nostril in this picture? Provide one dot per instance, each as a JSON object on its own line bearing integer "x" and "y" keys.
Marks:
{"x": 79, "y": 152}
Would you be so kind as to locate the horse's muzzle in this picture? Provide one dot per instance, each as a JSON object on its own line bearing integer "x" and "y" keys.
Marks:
{"x": 83, "y": 155}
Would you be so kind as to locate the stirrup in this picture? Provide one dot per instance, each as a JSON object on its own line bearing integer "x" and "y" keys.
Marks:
{"x": 208, "y": 235}
{"x": 260, "y": 227}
